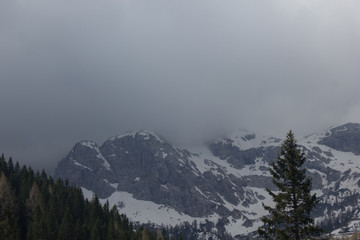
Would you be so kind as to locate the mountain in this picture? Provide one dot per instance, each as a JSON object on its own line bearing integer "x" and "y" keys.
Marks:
{"x": 220, "y": 184}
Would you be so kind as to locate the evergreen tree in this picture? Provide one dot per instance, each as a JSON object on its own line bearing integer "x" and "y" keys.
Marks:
{"x": 66, "y": 226}
{"x": 8, "y": 210}
{"x": 96, "y": 231}
{"x": 111, "y": 232}
{"x": 34, "y": 201}
{"x": 290, "y": 217}
{"x": 145, "y": 234}
{"x": 51, "y": 226}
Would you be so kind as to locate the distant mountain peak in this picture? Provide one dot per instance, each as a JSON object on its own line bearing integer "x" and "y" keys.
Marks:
{"x": 245, "y": 139}
{"x": 89, "y": 144}
{"x": 147, "y": 134}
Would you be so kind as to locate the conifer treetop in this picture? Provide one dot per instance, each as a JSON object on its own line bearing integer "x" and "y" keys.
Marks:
{"x": 290, "y": 217}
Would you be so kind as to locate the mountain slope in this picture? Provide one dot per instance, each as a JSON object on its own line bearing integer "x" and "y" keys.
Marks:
{"x": 221, "y": 183}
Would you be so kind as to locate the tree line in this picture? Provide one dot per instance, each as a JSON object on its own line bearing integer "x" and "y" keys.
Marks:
{"x": 35, "y": 206}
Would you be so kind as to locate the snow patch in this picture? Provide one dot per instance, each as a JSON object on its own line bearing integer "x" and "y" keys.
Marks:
{"x": 244, "y": 140}
{"x": 81, "y": 165}
{"x": 89, "y": 195}
{"x": 106, "y": 164}
{"x": 341, "y": 161}
{"x": 197, "y": 189}
{"x": 88, "y": 144}
{"x": 114, "y": 185}
{"x": 206, "y": 161}
{"x": 145, "y": 211}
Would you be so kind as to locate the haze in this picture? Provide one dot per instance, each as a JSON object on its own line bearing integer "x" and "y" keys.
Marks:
{"x": 86, "y": 69}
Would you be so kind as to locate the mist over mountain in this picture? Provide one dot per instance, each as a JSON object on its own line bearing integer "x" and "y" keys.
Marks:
{"x": 85, "y": 69}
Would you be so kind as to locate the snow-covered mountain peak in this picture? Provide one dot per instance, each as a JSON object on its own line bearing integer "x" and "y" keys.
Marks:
{"x": 245, "y": 139}
{"x": 341, "y": 127}
{"x": 144, "y": 133}
{"x": 341, "y": 137}
{"x": 88, "y": 144}
{"x": 220, "y": 183}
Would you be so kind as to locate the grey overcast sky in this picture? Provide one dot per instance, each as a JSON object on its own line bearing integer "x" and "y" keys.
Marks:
{"x": 87, "y": 69}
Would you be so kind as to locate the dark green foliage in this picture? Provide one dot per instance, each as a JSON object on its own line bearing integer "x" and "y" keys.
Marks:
{"x": 193, "y": 231}
{"x": 33, "y": 206}
{"x": 290, "y": 217}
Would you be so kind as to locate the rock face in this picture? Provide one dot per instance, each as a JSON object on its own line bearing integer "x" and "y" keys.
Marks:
{"x": 344, "y": 138}
{"x": 221, "y": 183}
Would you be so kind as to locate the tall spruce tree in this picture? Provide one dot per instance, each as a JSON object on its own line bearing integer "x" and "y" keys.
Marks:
{"x": 290, "y": 217}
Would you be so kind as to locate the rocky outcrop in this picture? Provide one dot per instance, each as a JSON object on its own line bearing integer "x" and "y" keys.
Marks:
{"x": 344, "y": 138}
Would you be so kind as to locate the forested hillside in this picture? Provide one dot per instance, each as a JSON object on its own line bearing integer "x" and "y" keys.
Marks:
{"x": 35, "y": 206}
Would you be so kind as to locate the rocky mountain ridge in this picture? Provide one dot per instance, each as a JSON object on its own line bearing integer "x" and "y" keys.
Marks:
{"x": 221, "y": 183}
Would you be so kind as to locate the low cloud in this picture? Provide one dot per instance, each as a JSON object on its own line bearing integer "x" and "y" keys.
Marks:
{"x": 73, "y": 70}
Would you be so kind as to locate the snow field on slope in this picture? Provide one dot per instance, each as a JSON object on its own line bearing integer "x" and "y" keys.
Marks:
{"x": 253, "y": 212}
{"x": 341, "y": 161}
{"x": 202, "y": 153}
{"x": 240, "y": 141}
{"x": 145, "y": 211}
